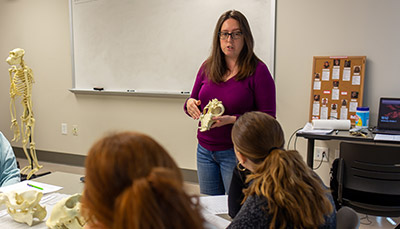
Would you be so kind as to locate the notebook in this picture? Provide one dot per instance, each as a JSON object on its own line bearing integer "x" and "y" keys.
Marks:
{"x": 389, "y": 116}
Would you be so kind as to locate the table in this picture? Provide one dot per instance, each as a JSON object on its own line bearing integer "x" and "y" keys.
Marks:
{"x": 343, "y": 135}
{"x": 70, "y": 182}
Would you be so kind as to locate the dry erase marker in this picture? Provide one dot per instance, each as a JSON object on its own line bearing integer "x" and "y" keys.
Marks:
{"x": 98, "y": 88}
{"x": 185, "y": 92}
{"x": 34, "y": 186}
{"x": 130, "y": 90}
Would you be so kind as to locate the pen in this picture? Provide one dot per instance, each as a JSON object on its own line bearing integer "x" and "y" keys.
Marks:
{"x": 34, "y": 186}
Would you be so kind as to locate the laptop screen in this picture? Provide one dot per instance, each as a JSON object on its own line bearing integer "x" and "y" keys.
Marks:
{"x": 389, "y": 114}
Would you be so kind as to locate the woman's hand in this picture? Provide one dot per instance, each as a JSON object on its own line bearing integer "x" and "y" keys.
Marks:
{"x": 192, "y": 108}
{"x": 223, "y": 120}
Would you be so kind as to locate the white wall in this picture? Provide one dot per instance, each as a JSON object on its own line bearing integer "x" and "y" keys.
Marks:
{"x": 304, "y": 29}
{"x": 333, "y": 28}
{"x": 42, "y": 29}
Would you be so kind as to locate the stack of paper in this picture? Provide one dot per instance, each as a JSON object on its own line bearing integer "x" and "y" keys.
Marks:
{"x": 387, "y": 137}
{"x": 308, "y": 129}
{"x": 214, "y": 206}
{"x": 31, "y": 185}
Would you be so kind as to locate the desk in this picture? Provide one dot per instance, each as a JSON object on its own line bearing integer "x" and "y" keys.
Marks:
{"x": 71, "y": 184}
{"x": 69, "y": 181}
{"x": 343, "y": 135}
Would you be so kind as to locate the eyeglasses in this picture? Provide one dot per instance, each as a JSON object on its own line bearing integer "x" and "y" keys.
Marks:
{"x": 234, "y": 35}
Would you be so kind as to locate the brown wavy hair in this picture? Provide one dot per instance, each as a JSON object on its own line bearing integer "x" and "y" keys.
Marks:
{"x": 215, "y": 65}
{"x": 132, "y": 182}
{"x": 295, "y": 194}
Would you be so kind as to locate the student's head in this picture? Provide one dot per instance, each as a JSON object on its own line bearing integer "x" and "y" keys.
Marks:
{"x": 241, "y": 44}
{"x": 255, "y": 134}
{"x": 295, "y": 194}
{"x": 132, "y": 182}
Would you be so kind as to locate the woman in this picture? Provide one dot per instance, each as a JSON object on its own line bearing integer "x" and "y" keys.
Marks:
{"x": 132, "y": 182}
{"x": 283, "y": 191}
{"x": 234, "y": 75}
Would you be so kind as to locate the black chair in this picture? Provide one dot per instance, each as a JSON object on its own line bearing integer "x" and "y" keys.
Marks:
{"x": 347, "y": 218}
{"x": 369, "y": 178}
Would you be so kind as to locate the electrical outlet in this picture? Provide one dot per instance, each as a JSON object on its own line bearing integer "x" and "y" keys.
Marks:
{"x": 318, "y": 151}
{"x": 337, "y": 153}
{"x": 75, "y": 130}
{"x": 64, "y": 128}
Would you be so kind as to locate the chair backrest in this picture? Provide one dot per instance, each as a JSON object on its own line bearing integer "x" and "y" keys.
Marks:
{"x": 371, "y": 168}
{"x": 347, "y": 218}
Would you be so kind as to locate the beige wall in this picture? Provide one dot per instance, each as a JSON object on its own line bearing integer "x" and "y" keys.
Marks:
{"x": 333, "y": 28}
{"x": 304, "y": 29}
{"x": 42, "y": 29}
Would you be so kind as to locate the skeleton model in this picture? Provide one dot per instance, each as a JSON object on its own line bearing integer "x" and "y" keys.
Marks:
{"x": 214, "y": 108}
{"x": 21, "y": 78}
{"x": 24, "y": 206}
{"x": 67, "y": 214}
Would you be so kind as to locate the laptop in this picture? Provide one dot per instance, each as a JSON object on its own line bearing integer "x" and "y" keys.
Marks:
{"x": 388, "y": 117}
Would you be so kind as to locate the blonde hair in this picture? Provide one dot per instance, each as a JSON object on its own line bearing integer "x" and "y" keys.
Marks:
{"x": 295, "y": 194}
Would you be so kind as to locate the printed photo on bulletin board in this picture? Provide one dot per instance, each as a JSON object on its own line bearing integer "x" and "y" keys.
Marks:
{"x": 337, "y": 87}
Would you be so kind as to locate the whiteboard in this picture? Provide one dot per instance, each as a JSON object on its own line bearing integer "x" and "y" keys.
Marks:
{"x": 155, "y": 46}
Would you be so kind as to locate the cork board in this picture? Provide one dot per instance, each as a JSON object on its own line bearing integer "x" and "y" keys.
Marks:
{"x": 337, "y": 84}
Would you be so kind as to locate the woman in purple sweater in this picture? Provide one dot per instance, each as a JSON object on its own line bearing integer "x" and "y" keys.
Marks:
{"x": 234, "y": 75}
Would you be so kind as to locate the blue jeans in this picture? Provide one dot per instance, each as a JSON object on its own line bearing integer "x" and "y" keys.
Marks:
{"x": 215, "y": 169}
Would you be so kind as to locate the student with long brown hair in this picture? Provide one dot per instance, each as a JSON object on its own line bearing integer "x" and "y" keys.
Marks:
{"x": 283, "y": 191}
{"x": 132, "y": 182}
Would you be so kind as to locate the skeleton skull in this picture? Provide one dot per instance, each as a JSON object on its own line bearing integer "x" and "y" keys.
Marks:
{"x": 24, "y": 206}
{"x": 214, "y": 108}
{"x": 66, "y": 214}
{"x": 15, "y": 57}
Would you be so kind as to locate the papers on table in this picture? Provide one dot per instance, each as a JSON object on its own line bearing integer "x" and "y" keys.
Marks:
{"x": 308, "y": 129}
{"x": 215, "y": 204}
{"x": 215, "y": 220}
{"x": 31, "y": 185}
{"x": 212, "y": 207}
{"x": 387, "y": 137}
{"x": 48, "y": 201}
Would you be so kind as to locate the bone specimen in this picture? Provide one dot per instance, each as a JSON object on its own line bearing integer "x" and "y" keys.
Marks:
{"x": 67, "y": 214}
{"x": 21, "y": 78}
{"x": 24, "y": 206}
{"x": 214, "y": 108}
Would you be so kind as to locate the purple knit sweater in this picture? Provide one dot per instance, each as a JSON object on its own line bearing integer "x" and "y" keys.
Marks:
{"x": 255, "y": 93}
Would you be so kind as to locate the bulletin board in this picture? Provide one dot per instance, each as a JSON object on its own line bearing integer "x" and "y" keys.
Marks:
{"x": 337, "y": 87}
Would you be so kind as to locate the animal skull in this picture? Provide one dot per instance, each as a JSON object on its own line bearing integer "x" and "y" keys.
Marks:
{"x": 214, "y": 108}
{"x": 24, "y": 206}
{"x": 15, "y": 57}
{"x": 67, "y": 214}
